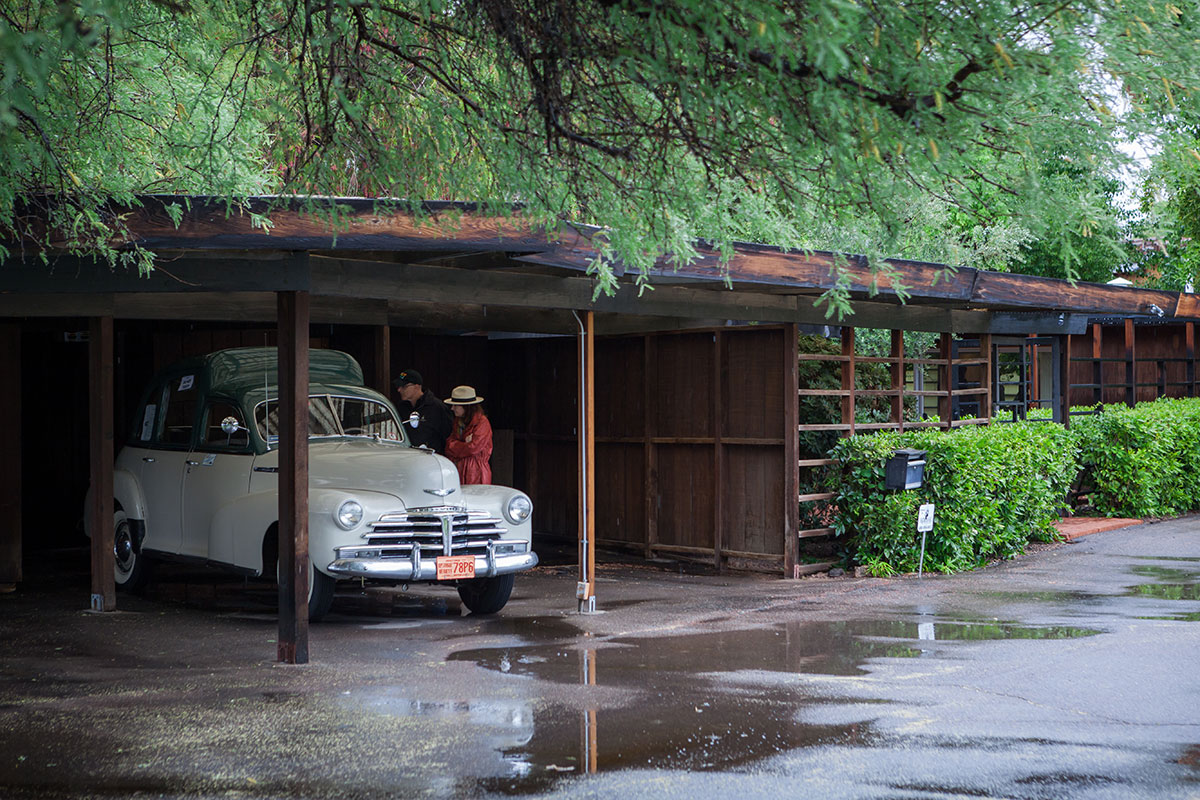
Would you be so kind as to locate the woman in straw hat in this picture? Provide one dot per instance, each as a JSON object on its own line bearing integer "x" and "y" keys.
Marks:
{"x": 470, "y": 442}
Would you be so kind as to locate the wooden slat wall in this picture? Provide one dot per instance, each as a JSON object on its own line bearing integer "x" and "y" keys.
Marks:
{"x": 690, "y": 441}
{"x": 682, "y": 431}
{"x": 620, "y": 440}
{"x": 753, "y": 400}
{"x": 1163, "y": 365}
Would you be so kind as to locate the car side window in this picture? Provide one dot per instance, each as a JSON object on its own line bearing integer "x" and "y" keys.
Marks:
{"x": 179, "y": 398}
{"x": 214, "y": 436}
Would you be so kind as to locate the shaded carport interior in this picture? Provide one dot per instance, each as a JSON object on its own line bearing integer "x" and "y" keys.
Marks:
{"x": 397, "y": 290}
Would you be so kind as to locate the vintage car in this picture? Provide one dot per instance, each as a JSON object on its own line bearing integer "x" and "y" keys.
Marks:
{"x": 198, "y": 481}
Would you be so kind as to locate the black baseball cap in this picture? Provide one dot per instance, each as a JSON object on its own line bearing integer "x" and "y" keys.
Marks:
{"x": 406, "y": 377}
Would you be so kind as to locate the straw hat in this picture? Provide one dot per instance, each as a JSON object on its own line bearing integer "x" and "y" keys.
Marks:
{"x": 463, "y": 396}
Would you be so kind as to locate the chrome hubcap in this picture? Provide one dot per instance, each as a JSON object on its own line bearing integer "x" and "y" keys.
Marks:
{"x": 123, "y": 549}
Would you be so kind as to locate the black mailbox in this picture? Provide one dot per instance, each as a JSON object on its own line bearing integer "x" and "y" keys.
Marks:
{"x": 906, "y": 470}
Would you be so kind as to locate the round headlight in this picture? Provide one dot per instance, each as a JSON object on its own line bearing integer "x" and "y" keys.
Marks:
{"x": 518, "y": 509}
{"x": 349, "y": 514}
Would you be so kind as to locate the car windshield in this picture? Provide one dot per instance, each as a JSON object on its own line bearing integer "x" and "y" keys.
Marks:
{"x": 334, "y": 416}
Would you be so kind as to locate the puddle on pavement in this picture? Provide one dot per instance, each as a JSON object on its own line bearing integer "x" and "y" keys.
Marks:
{"x": 824, "y": 648}
{"x": 1065, "y": 597}
{"x": 1167, "y": 591}
{"x": 1171, "y": 583}
{"x": 1193, "y": 559}
{"x": 527, "y": 629}
{"x": 1169, "y": 574}
{"x": 703, "y": 701}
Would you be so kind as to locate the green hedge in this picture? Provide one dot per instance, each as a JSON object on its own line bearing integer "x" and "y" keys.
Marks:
{"x": 995, "y": 488}
{"x": 1142, "y": 461}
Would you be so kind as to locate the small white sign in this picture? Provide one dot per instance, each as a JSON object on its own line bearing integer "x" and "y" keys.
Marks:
{"x": 148, "y": 422}
{"x": 925, "y": 518}
{"x": 186, "y": 382}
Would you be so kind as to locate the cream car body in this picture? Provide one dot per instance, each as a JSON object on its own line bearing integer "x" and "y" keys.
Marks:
{"x": 199, "y": 481}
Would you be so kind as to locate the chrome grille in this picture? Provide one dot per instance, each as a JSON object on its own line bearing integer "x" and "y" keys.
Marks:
{"x": 433, "y": 532}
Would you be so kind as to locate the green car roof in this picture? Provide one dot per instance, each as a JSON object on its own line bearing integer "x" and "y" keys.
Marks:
{"x": 247, "y": 375}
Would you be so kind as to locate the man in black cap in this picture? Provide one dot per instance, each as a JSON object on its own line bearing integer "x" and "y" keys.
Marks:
{"x": 432, "y": 423}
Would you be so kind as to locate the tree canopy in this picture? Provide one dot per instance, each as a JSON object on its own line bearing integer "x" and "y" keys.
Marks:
{"x": 937, "y": 129}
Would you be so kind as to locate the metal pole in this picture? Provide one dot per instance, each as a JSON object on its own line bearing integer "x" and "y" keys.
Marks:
{"x": 586, "y": 589}
{"x": 921, "y": 561}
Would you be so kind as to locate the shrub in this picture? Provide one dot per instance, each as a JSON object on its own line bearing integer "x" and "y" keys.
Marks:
{"x": 995, "y": 489}
{"x": 1142, "y": 461}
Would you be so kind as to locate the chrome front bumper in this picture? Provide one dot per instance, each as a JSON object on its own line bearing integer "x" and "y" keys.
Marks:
{"x": 417, "y": 568}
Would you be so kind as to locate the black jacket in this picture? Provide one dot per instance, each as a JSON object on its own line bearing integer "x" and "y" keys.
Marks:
{"x": 434, "y": 425}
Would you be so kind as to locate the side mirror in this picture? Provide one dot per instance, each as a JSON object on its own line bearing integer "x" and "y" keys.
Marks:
{"x": 230, "y": 426}
{"x": 413, "y": 420}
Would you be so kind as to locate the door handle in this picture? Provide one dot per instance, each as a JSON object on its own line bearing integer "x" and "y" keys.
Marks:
{"x": 148, "y": 459}
{"x": 191, "y": 463}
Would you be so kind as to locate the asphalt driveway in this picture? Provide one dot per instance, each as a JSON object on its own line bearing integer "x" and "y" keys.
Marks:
{"x": 1069, "y": 672}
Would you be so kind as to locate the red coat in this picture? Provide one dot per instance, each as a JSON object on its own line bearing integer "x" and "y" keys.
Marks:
{"x": 471, "y": 457}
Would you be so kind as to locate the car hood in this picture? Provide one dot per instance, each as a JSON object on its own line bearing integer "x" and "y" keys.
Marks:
{"x": 419, "y": 478}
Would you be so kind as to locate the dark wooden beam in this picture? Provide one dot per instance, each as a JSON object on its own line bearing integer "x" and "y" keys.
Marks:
{"x": 293, "y": 478}
{"x": 1063, "y": 384}
{"x": 382, "y": 356}
{"x": 1007, "y": 289}
{"x": 438, "y": 285}
{"x": 100, "y": 454}
{"x": 924, "y": 282}
{"x": 198, "y": 306}
{"x": 770, "y": 266}
{"x": 791, "y": 451}
{"x": 1130, "y": 364}
{"x": 720, "y": 381}
{"x": 75, "y": 275}
{"x": 327, "y": 223}
{"x": 10, "y": 458}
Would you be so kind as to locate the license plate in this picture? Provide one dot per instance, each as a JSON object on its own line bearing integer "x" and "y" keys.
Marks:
{"x": 454, "y": 567}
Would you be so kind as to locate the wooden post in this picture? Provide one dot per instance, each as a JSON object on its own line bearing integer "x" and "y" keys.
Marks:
{"x": 718, "y": 451}
{"x": 791, "y": 450}
{"x": 651, "y": 452}
{"x": 987, "y": 399}
{"x": 1097, "y": 364}
{"x": 848, "y": 379}
{"x": 100, "y": 438}
{"x": 383, "y": 360}
{"x": 293, "y": 316}
{"x": 1130, "y": 365}
{"x": 1189, "y": 333}
{"x": 1064, "y": 381}
{"x": 10, "y": 458}
{"x": 897, "y": 384}
{"x": 945, "y": 353}
{"x": 1035, "y": 376}
{"x": 587, "y": 460}
{"x": 532, "y": 483}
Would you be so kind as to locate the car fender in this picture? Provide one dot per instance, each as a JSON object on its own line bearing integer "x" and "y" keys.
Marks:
{"x": 128, "y": 496}
{"x": 494, "y": 500}
{"x": 252, "y": 516}
{"x": 127, "y": 491}
{"x": 325, "y": 535}
{"x": 249, "y": 517}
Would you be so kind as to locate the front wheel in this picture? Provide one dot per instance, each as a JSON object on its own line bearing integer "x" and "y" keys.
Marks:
{"x": 131, "y": 569}
{"x": 486, "y": 595}
{"x": 320, "y": 591}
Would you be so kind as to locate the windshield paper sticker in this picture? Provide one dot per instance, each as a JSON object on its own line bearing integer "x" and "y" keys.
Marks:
{"x": 186, "y": 382}
{"x": 148, "y": 422}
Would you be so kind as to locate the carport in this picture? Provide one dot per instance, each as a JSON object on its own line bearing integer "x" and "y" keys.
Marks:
{"x": 453, "y": 268}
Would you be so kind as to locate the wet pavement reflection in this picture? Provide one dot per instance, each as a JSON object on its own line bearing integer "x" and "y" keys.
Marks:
{"x": 707, "y": 701}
